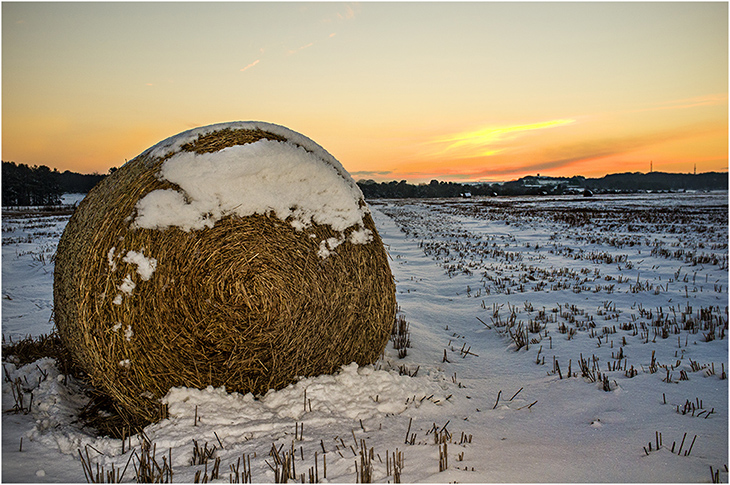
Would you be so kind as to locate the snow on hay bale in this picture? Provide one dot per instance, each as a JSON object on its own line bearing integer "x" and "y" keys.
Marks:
{"x": 240, "y": 255}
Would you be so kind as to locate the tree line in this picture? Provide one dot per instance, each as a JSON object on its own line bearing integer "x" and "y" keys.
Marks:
{"x": 660, "y": 181}
{"x": 40, "y": 186}
{"x": 531, "y": 185}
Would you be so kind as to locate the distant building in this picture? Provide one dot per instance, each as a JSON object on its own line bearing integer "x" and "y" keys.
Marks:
{"x": 544, "y": 181}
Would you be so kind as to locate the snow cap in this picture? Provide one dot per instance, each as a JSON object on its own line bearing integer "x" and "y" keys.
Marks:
{"x": 291, "y": 177}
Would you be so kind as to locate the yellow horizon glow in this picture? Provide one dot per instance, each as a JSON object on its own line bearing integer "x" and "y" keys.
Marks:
{"x": 481, "y": 142}
{"x": 488, "y": 136}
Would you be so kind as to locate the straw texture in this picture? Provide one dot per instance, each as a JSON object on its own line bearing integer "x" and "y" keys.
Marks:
{"x": 247, "y": 304}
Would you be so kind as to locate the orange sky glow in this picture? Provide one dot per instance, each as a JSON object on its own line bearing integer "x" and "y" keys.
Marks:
{"x": 416, "y": 91}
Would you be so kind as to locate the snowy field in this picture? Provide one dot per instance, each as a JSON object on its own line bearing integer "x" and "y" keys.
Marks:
{"x": 560, "y": 339}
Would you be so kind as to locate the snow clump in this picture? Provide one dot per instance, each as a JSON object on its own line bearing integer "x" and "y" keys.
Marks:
{"x": 127, "y": 285}
{"x": 145, "y": 266}
{"x": 110, "y": 258}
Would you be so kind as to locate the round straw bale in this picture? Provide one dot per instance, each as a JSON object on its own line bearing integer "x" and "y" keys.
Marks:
{"x": 240, "y": 255}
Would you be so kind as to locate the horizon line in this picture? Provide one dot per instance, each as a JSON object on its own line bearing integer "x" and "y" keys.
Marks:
{"x": 726, "y": 172}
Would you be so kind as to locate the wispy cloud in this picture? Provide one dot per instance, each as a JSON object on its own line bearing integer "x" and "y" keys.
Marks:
{"x": 619, "y": 146}
{"x": 350, "y": 12}
{"x": 695, "y": 102}
{"x": 371, "y": 173}
{"x": 294, "y": 51}
{"x": 487, "y": 141}
{"x": 251, "y": 65}
{"x": 310, "y": 44}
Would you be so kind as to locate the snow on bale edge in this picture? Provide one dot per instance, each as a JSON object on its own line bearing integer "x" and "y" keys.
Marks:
{"x": 240, "y": 255}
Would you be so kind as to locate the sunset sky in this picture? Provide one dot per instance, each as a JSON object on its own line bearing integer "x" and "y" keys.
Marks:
{"x": 415, "y": 91}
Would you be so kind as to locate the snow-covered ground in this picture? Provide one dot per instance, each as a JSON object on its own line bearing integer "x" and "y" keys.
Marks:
{"x": 552, "y": 340}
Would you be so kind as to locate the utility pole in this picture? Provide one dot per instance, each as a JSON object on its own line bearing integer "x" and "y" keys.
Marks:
{"x": 651, "y": 166}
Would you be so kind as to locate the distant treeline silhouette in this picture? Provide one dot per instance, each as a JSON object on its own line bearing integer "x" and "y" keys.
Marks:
{"x": 39, "y": 185}
{"x": 660, "y": 181}
{"x": 531, "y": 185}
